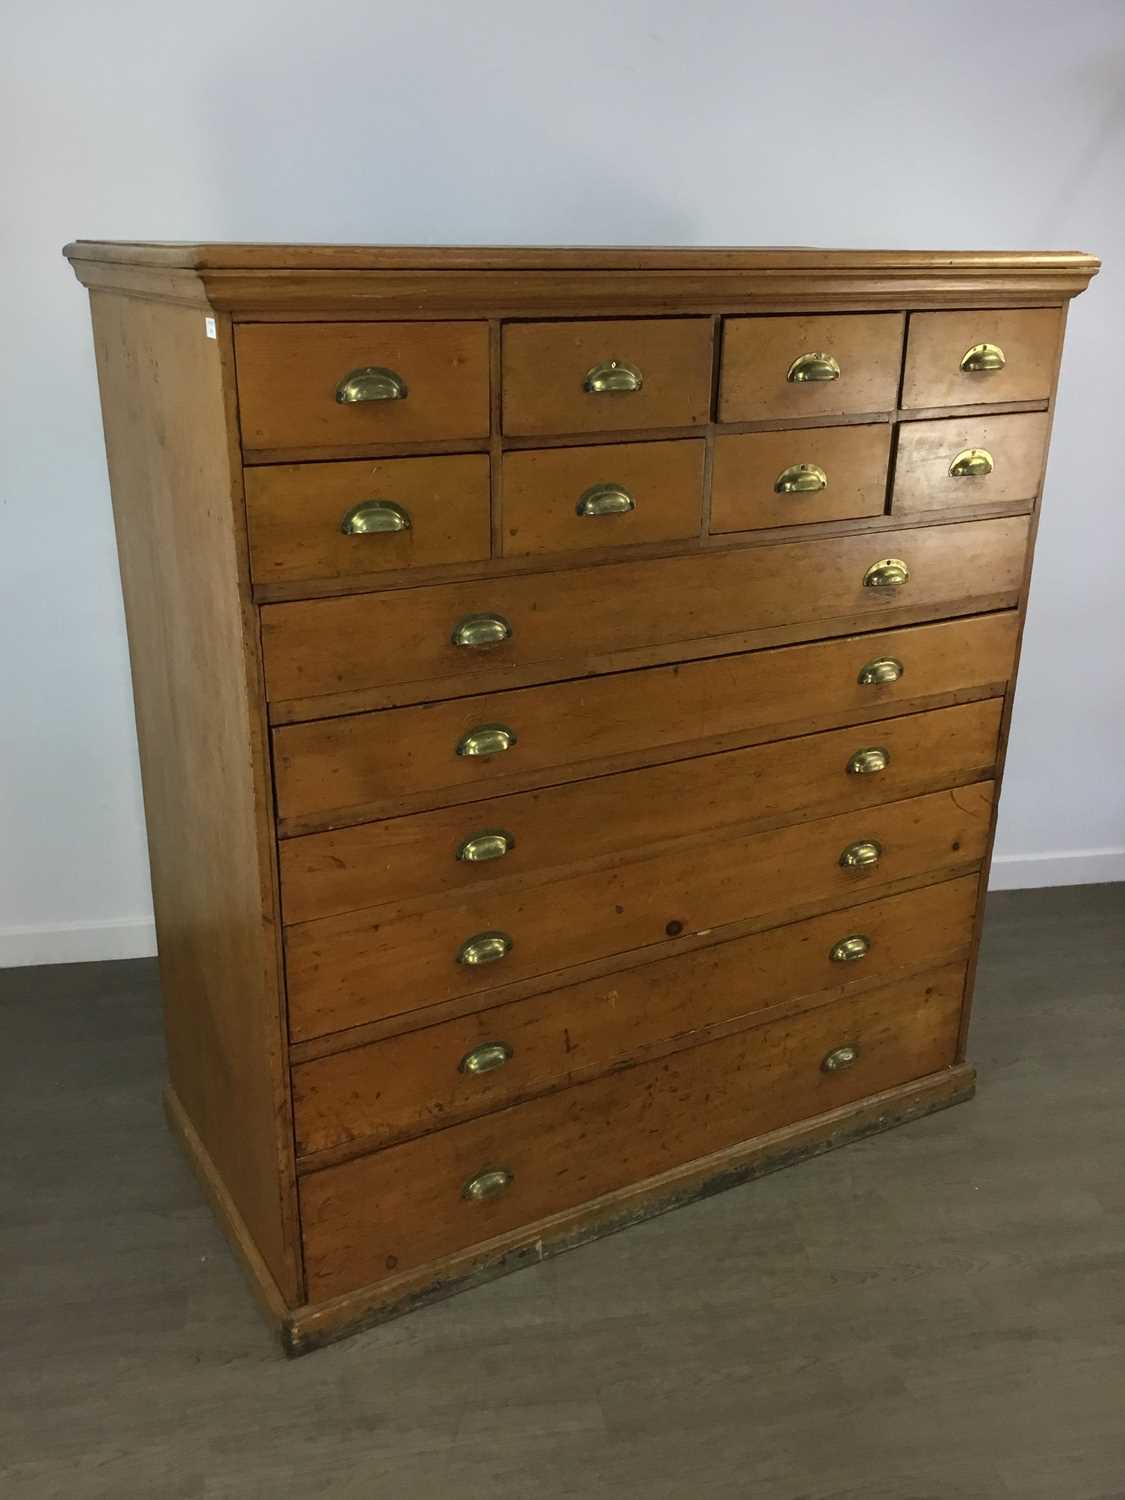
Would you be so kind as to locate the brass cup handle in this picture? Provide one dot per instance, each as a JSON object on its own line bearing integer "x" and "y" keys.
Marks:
{"x": 481, "y": 630}
{"x": 882, "y": 669}
{"x": 971, "y": 463}
{"x": 485, "y": 1059}
{"x": 810, "y": 367}
{"x": 800, "y": 479}
{"x": 840, "y": 1058}
{"x": 605, "y": 500}
{"x": 372, "y": 383}
{"x": 484, "y": 948}
{"x": 487, "y": 739}
{"x": 613, "y": 377}
{"x": 887, "y": 573}
{"x": 489, "y": 1183}
{"x": 494, "y": 843}
{"x": 375, "y": 518}
{"x": 864, "y": 854}
{"x": 851, "y": 949}
{"x": 869, "y": 762}
{"x": 982, "y": 359}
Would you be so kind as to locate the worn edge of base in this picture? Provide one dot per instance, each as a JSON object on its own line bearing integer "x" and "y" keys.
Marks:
{"x": 269, "y": 1295}
{"x": 311, "y": 1327}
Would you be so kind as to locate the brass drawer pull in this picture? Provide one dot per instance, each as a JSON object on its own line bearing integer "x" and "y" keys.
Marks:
{"x": 485, "y": 1059}
{"x": 482, "y": 847}
{"x": 869, "y": 762}
{"x": 487, "y": 1184}
{"x": 613, "y": 377}
{"x": 488, "y": 739}
{"x": 375, "y": 517}
{"x": 851, "y": 949}
{"x": 800, "y": 479}
{"x": 981, "y": 359}
{"x": 813, "y": 367}
{"x": 972, "y": 463}
{"x": 861, "y": 855}
{"x": 605, "y": 500}
{"x": 882, "y": 669}
{"x": 372, "y": 383}
{"x": 482, "y": 630}
{"x": 840, "y": 1058}
{"x": 484, "y": 948}
{"x": 887, "y": 573}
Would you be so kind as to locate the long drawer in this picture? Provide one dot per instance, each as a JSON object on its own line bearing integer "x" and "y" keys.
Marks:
{"x": 435, "y": 1076}
{"x": 567, "y": 623}
{"x": 368, "y": 765}
{"x": 365, "y": 966}
{"x": 468, "y": 847}
{"x": 410, "y": 1204}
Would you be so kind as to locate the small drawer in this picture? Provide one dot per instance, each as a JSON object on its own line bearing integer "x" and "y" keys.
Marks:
{"x": 426, "y": 1079}
{"x": 411, "y": 1204}
{"x": 968, "y": 461}
{"x": 360, "y": 385}
{"x": 343, "y": 520}
{"x": 584, "y": 620}
{"x": 971, "y": 358}
{"x": 606, "y": 376}
{"x": 809, "y": 366}
{"x": 791, "y": 478}
{"x": 611, "y": 495}
{"x": 466, "y": 848}
{"x": 390, "y": 961}
{"x": 373, "y": 765}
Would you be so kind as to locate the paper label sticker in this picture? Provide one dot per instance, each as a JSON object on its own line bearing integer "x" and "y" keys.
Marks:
{"x": 211, "y": 330}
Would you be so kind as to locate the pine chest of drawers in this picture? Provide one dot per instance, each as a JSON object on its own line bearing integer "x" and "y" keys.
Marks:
{"x": 572, "y": 690}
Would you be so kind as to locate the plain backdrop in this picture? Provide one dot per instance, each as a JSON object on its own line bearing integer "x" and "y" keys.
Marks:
{"x": 944, "y": 125}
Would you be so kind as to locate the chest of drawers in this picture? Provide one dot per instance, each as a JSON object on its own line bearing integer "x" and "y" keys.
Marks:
{"x": 572, "y": 689}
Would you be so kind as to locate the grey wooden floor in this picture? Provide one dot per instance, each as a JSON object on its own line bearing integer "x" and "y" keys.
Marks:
{"x": 936, "y": 1312}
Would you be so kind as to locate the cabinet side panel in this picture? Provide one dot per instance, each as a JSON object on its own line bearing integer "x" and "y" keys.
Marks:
{"x": 193, "y": 646}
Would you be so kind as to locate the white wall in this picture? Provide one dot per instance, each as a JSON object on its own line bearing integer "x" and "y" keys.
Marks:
{"x": 949, "y": 125}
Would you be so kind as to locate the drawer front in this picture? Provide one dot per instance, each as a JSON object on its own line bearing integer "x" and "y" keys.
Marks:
{"x": 408, "y": 1205}
{"x": 344, "y": 520}
{"x": 790, "y": 478}
{"x": 371, "y": 965}
{"x": 809, "y": 366}
{"x": 529, "y": 833}
{"x": 611, "y": 495}
{"x": 426, "y": 1079}
{"x": 967, "y": 358}
{"x": 605, "y": 376}
{"x": 586, "y": 619}
{"x": 302, "y": 385}
{"x": 962, "y": 461}
{"x": 362, "y": 765}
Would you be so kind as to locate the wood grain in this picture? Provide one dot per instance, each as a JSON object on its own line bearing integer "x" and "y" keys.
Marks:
{"x": 542, "y": 488}
{"x": 402, "y": 1207}
{"x": 747, "y": 467}
{"x": 411, "y": 1084}
{"x": 373, "y": 764}
{"x": 757, "y": 354}
{"x": 545, "y": 366}
{"x": 201, "y": 728}
{"x": 926, "y": 451}
{"x": 287, "y": 379}
{"x": 588, "y": 822}
{"x": 936, "y": 342}
{"x": 295, "y": 513}
{"x": 559, "y": 624}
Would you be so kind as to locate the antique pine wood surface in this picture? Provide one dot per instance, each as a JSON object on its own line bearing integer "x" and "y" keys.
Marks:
{"x": 748, "y": 466}
{"x": 722, "y": 694}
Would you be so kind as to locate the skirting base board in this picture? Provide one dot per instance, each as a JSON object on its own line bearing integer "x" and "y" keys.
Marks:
{"x": 303, "y": 1329}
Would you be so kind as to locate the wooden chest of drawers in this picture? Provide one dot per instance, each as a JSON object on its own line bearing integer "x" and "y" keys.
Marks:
{"x": 572, "y": 689}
